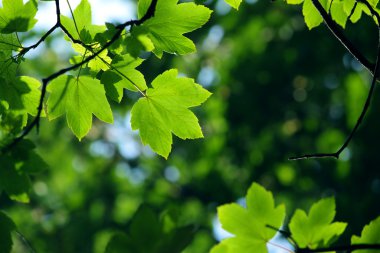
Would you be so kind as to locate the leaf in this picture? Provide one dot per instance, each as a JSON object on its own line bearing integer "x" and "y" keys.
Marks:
{"x": 100, "y": 62}
{"x": 294, "y": 1}
{"x": 250, "y": 225}
{"x": 17, "y": 17}
{"x": 123, "y": 75}
{"x": 316, "y": 229}
{"x": 6, "y": 227}
{"x": 22, "y": 94}
{"x": 170, "y": 22}
{"x": 146, "y": 225}
{"x": 17, "y": 166}
{"x": 311, "y": 14}
{"x": 164, "y": 110}
{"x": 9, "y": 43}
{"x": 31, "y": 98}
{"x": 80, "y": 25}
{"x": 137, "y": 42}
{"x": 338, "y": 14}
{"x": 370, "y": 235}
{"x": 79, "y": 98}
{"x": 234, "y": 3}
{"x": 81, "y": 19}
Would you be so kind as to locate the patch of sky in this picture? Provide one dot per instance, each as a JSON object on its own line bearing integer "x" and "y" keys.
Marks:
{"x": 213, "y": 38}
{"x": 111, "y": 11}
{"x": 172, "y": 174}
{"x": 124, "y": 137}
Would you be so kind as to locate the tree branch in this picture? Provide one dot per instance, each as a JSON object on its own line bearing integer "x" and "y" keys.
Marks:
{"x": 348, "y": 248}
{"x": 47, "y": 80}
{"x": 375, "y": 72}
{"x": 338, "y": 33}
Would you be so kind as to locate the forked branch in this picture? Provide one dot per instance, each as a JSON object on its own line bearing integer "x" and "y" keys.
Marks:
{"x": 375, "y": 72}
{"x": 45, "y": 82}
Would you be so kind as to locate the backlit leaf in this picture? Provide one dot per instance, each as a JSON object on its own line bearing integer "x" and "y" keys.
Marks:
{"x": 15, "y": 16}
{"x": 369, "y": 235}
{"x": 317, "y": 228}
{"x": 79, "y": 98}
{"x": 170, "y": 22}
{"x": 250, "y": 225}
{"x": 234, "y": 3}
{"x": 311, "y": 14}
{"x": 164, "y": 110}
{"x": 123, "y": 75}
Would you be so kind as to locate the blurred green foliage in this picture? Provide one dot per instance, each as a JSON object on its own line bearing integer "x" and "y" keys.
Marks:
{"x": 278, "y": 90}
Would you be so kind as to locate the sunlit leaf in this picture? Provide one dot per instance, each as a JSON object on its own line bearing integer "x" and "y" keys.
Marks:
{"x": 15, "y": 16}
{"x": 79, "y": 98}
{"x": 80, "y": 25}
{"x": 370, "y": 235}
{"x": 338, "y": 14}
{"x": 164, "y": 110}
{"x": 170, "y": 22}
{"x": 123, "y": 75}
{"x": 251, "y": 225}
{"x": 234, "y": 3}
{"x": 316, "y": 229}
{"x": 311, "y": 14}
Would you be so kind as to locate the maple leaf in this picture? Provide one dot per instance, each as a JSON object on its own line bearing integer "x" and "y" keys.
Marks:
{"x": 164, "y": 110}
{"x": 170, "y": 22}
{"x": 79, "y": 98}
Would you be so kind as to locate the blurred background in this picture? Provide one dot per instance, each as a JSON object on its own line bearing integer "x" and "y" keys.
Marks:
{"x": 279, "y": 90}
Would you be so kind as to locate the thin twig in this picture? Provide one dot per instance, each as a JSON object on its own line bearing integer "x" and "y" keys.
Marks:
{"x": 338, "y": 33}
{"x": 46, "y": 81}
{"x": 26, "y": 242}
{"x": 280, "y": 247}
{"x": 365, "y": 108}
{"x": 348, "y": 248}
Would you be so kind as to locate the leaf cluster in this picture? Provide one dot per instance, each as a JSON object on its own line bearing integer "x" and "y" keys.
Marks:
{"x": 253, "y": 227}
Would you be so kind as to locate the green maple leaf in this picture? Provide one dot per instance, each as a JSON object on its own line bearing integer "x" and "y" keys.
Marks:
{"x": 79, "y": 98}
{"x": 164, "y": 110}
{"x": 316, "y": 229}
{"x": 234, "y": 3}
{"x": 170, "y": 22}
{"x": 250, "y": 225}
{"x": 370, "y": 235}
{"x": 123, "y": 75}
{"x": 9, "y": 43}
{"x": 80, "y": 26}
{"x": 21, "y": 94}
{"x": 100, "y": 62}
{"x": 137, "y": 41}
{"x": 17, "y": 17}
{"x": 6, "y": 227}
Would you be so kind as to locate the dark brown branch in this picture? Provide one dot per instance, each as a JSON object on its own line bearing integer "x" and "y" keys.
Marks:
{"x": 338, "y": 33}
{"x": 47, "y": 34}
{"x": 46, "y": 81}
{"x": 348, "y": 248}
{"x": 365, "y": 108}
